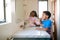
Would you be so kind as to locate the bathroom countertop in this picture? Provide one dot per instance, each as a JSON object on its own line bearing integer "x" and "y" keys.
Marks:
{"x": 31, "y": 32}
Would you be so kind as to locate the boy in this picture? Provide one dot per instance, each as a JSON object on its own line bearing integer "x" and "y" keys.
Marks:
{"x": 46, "y": 23}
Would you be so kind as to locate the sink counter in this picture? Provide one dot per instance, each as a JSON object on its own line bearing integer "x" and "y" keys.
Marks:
{"x": 31, "y": 32}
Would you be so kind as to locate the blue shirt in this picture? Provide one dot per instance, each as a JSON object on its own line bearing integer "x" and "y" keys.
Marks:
{"x": 47, "y": 23}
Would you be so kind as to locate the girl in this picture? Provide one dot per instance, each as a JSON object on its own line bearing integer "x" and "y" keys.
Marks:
{"x": 33, "y": 19}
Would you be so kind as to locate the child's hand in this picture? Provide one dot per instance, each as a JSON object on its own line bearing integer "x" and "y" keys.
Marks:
{"x": 40, "y": 19}
{"x": 38, "y": 28}
{"x": 41, "y": 24}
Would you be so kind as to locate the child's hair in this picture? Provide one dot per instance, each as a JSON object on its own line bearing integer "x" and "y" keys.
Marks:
{"x": 47, "y": 13}
{"x": 34, "y": 13}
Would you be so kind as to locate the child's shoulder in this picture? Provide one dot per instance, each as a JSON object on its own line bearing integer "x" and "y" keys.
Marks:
{"x": 49, "y": 20}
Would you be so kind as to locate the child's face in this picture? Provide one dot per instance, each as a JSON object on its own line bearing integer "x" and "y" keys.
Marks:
{"x": 32, "y": 14}
{"x": 44, "y": 16}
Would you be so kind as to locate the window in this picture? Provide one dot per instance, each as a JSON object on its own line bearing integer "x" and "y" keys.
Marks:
{"x": 43, "y": 6}
{"x": 5, "y": 11}
{"x": 2, "y": 11}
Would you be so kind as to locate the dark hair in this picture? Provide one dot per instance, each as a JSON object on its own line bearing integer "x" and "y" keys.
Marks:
{"x": 47, "y": 13}
{"x": 34, "y": 13}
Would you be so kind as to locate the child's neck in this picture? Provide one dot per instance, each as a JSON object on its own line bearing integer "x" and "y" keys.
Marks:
{"x": 45, "y": 19}
{"x": 31, "y": 16}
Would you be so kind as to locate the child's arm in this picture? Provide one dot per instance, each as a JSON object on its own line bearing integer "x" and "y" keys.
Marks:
{"x": 37, "y": 22}
{"x": 45, "y": 29}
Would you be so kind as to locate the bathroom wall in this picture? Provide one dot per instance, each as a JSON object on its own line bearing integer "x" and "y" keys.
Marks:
{"x": 20, "y": 14}
{"x": 30, "y": 5}
{"x": 8, "y": 29}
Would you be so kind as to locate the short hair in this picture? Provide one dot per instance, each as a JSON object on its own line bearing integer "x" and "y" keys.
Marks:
{"x": 47, "y": 13}
{"x": 34, "y": 13}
